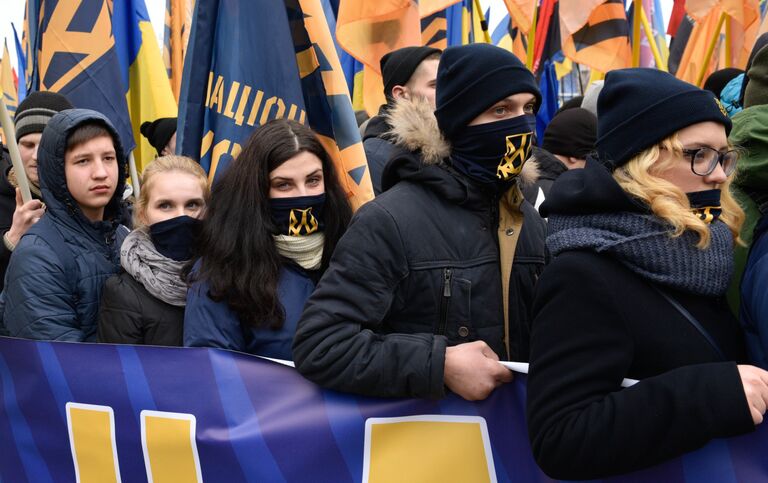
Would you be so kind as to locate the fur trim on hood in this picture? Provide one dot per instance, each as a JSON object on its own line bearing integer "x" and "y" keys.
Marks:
{"x": 414, "y": 128}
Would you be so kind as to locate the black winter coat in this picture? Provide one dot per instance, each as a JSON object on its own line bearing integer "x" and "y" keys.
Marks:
{"x": 418, "y": 269}
{"x": 550, "y": 168}
{"x": 129, "y": 314}
{"x": 595, "y": 323}
{"x": 378, "y": 148}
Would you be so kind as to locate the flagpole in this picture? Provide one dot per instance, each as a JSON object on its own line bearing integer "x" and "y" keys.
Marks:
{"x": 652, "y": 42}
{"x": 711, "y": 49}
{"x": 483, "y": 22}
{"x": 134, "y": 176}
{"x": 531, "y": 40}
{"x": 637, "y": 6}
{"x": 13, "y": 148}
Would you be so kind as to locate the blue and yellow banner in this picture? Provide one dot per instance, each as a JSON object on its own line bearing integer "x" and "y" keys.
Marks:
{"x": 250, "y": 62}
{"x": 111, "y": 413}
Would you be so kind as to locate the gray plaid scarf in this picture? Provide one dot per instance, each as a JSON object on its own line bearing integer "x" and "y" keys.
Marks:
{"x": 158, "y": 274}
{"x": 643, "y": 243}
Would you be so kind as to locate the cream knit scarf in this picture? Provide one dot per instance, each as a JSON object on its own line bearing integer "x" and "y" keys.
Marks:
{"x": 306, "y": 251}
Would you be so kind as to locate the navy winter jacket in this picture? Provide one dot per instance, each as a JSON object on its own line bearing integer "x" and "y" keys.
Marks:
{"x": 214, "y": 324}
{"x": 754, "y": 302}
{"x": 45, "y": 296}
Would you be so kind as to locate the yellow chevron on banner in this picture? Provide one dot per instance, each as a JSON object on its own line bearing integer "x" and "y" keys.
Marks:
{"x": 92, "y": 440}
{"x": 170, "y": 451}
{"x": 428, "y": 448}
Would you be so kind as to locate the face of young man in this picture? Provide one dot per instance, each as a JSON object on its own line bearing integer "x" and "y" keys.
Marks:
{"x": 421, "y": 84}
{"x": 28, "y": 145}
{"x": 91, "y": 171}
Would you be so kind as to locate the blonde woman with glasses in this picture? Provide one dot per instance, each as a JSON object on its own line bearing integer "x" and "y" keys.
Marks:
{"x": 642, "y": 241}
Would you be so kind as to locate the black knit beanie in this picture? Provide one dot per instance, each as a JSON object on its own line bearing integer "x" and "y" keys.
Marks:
{"x": 571, "y": 133}
{"x": 471, "y": 78}
{"x": 570, "y": 104}
{"x": 159, "y": 132}
{"x": 718, "y": 79}
{"x": 398, "y": 66}
{"x": 638, "y": 108}
{"x": 36, "y": 110}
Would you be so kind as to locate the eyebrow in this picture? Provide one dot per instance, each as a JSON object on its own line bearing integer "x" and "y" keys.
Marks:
{"x": 81, "y": 154}
{"x": 165, "y": 200}
{"x": 705, "y": 145}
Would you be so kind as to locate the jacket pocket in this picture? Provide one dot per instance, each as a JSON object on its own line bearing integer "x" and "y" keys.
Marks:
{"x": 455, "y": 320}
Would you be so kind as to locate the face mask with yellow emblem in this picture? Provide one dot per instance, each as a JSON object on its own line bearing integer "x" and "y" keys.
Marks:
{"x": 298, "y": 216}
{"x": 706, "y": 204}
{"x": 493, "y": 154}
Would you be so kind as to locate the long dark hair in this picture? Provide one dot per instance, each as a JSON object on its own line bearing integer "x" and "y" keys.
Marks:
{"x": 237, "y": 254}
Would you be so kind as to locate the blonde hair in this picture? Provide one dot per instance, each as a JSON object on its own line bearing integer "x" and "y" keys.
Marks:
{"x": 166, "y": 164}
{"x": 667, "y": 201}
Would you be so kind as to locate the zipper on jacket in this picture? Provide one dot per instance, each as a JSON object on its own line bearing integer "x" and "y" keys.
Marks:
{"x": 447, "y": 276}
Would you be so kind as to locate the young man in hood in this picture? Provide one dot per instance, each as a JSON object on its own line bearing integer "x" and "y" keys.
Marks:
{"x": 433, "y": 281}
{"x": 409, "y": 75}
{"x": 16, "y": 217}
{"x": 54, "y": 280}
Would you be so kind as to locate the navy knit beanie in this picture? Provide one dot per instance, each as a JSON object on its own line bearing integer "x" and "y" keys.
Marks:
{"x": 471, "y": 78}
{"x": 638, "y": 108}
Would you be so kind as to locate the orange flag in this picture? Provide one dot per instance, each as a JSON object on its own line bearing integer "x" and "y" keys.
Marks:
{"x": 744, "y": 19}
{"x": 521, "y": 12}
{"x": 368, "y": 30}
{"x": 694, "y": 55}
{"x": 595, "y": 33}
{"x": 428, "y": 7}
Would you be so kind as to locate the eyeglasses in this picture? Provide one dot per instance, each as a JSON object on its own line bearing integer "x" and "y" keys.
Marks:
{"x": 704, "y": 160}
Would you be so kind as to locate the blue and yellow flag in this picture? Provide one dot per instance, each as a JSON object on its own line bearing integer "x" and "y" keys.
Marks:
{"x": 146, "y": 87}
{"x": 29, "y": 41}
{"x": 77, "y": 56}
{"x": 250, "y": 62}
{"x": 21, "y": 62}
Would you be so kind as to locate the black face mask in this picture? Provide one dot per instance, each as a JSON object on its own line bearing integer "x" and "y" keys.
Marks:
{"x": 298, "y": 216}
{"x": 706, "y": 204}
{"x": 174, "y": 238}
{"x": 493, "y": 154}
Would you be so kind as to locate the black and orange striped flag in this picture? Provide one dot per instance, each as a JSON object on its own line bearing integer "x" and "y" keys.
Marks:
{"x": 595, "y": 33}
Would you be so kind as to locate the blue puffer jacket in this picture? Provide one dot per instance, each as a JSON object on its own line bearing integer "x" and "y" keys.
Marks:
{"x": 213, "y": 324}
{"x": 45, "y": 297}
{"x": 753, "y": 312}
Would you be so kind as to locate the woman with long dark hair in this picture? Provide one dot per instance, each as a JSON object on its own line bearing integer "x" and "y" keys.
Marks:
{"x": 273, "y": 222}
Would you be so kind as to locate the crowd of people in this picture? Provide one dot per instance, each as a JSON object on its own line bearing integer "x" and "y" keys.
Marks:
{"x": 627, "y": 243}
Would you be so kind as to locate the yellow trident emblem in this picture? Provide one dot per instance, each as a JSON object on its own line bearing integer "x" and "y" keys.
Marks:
{"x": 302, "y": 222}
{"x": 512, "y": 162}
